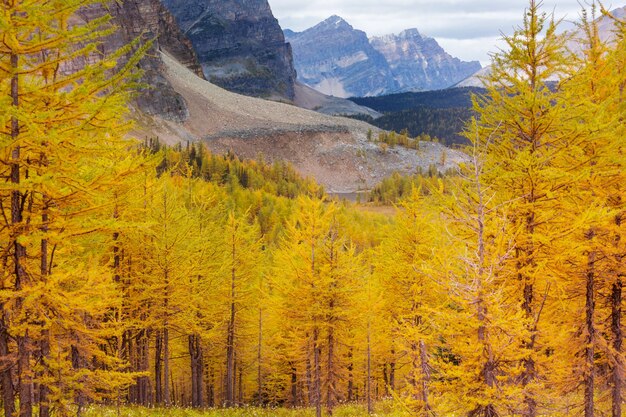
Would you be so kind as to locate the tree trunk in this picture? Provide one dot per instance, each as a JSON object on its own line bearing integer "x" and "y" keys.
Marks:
{"x": 330, "y": 372}
{"x": 192, "y": 363}
{"x": 230, "y": 364}
{"x": 19, "y": 253}
{"x": 294, "y": 387}
{"x": 78, "y": 363}
{"x": 589, "y": 378}
{"x": 6, "y": 378}
{"x": 44, "y": 391}
{"x": 240, "y": 396}
{"x": 197, "y": 366}
{"x": 529, "y": 373}
{"x": 259, "y": 380}
{"x": 158, "y": 364}
{"x": 141, "y": 357}
{"x": 386, "y": 380}
{"x": 317, "y": 373}
{"x": 24, "y": 375}
{"x": 351, "y": 376}
{"x": 617, "y": 372}
{"x": 392, "y": 370}
{"x": 616, "y": 330}
{"x": 230, "y": 339}
{"x": 489, "y": 368}
{"x": 310, "y": 389}
{"x": 210, "y": 394}
{"x": 425, "y": 377}
{"x": 167, "y": 399}
{"x": 368, "y": 387}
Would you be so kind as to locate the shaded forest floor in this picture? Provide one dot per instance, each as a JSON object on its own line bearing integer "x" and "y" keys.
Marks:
{"x": 385, "y": 409}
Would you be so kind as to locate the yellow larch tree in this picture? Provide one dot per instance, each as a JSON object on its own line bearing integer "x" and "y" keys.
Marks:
{"x": 523, "y": 115}
{"x": 61, "y": 135}
{"x": 240, "y": 273}
{"x": 413, "y": 294}
{"x": 614, "y": 245}
{"x": 588, "y": 211}
{"x": 595, "y": 211}
{"x": 316, "y": 278}
{"x": 176, "y": 248}
{"x": 480, "y": 349}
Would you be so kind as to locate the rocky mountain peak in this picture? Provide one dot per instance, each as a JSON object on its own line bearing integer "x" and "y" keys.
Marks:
{"x": 336, "y": 22}
{"x": 420, "y": 63}
{"x": 326, "y": 58}
{"x": 333, "y": 26}
{"x": 409, "y": 34}
{"x": 338, "y": 60}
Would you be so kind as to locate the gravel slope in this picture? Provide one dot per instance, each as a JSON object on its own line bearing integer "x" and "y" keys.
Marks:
{"x": 333, "y": 150}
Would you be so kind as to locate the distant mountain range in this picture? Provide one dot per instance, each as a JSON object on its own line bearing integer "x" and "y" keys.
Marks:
{"x": 339, "y": 60}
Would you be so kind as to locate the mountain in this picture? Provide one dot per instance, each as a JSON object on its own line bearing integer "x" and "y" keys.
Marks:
{"x": 240, "y": 45}
{"x": 180, "y": 105}
{"x": 418, "y": 63}
{"x": 334, "y": 58}
{"x": 338, "y": 60}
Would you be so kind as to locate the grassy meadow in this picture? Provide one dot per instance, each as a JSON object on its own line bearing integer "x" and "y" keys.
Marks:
{"x": 382, "y": 409}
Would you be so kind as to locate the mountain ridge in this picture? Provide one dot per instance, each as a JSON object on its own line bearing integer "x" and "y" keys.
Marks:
{"x": 335, "y": 58}
{"x": 419, "y": 63}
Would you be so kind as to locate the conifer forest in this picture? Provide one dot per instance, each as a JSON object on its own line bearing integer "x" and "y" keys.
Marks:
{"x": 139, "y": 274}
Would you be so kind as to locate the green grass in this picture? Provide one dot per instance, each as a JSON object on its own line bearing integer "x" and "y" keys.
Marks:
{"x": 382, "y": 410}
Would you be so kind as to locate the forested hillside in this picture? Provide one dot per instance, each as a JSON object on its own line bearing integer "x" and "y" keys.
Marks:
{"x": 171, "y": 277}
{"x": 442, "y": 114}
{"x": 438, "y": 99}
{"x": 443, "y": 124}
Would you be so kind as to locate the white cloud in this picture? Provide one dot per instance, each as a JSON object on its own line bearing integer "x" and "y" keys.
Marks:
{"x": 469, "y": 29}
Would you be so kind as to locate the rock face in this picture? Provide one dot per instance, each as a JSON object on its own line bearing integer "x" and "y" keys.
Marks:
{"x": 149, "y": 20}
{"x": 418, "y": 63}
{"x": 337, "y": 60}
{"x": 334, "y": 58}
{"x": 240, "y": 45}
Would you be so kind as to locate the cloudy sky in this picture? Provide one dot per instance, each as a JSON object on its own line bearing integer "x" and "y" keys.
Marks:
{"x": 468, "y": 29}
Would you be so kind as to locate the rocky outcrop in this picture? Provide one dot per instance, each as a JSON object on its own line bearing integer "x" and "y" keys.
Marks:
{"x": 149, "y": 20}
{"x": 240, "y": 45}
{"x": 338, "y": 60}
{"x": 418, "y": 63}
